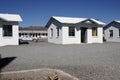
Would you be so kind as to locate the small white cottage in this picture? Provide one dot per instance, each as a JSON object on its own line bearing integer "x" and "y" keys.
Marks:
{"x": 112, "y": 31}
{"x": 68, "y": 30}
{"x": 9, "y": 29}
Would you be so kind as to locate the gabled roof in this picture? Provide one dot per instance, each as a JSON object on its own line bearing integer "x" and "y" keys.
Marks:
{"x": 118, "y": 21}
{"x": 115, "y": 23}
{"x": 71, "y": 20}
{"x": 11, "y": 17}
{"x": 97, "y": 21}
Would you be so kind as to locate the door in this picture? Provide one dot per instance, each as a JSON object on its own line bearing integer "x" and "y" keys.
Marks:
{"x": 83, "y": 35}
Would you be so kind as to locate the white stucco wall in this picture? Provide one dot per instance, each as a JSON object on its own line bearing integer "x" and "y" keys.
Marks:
{"x": 55, "y": 38}
{"x": 69, "y": 39}
{"x": 9, "y": 40}
{"x": 115, "y": 37}
{"x": 77, "y": 38}
{"x": 95, "y": 39}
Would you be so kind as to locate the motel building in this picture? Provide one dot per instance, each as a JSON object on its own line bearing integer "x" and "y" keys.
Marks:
{"x": 9, "y": 26}
{"x": 70, "y": 30}
{"x": 112, "y": 31}
{"x": 32, "y": 33}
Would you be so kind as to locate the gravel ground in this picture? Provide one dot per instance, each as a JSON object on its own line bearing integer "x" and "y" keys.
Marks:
{"x": 85, "y": 61}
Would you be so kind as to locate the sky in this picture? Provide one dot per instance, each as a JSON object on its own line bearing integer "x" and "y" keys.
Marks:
{"x": 38, "y": 12}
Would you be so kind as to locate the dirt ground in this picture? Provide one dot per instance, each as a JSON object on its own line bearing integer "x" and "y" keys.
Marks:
{"x": 84, "y": 61}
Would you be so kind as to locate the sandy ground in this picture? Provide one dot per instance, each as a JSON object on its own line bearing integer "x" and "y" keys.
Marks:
{"x": 85, "y": 61}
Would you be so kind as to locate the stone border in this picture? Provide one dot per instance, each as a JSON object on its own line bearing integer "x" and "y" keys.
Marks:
{"x": 36, "y": 74}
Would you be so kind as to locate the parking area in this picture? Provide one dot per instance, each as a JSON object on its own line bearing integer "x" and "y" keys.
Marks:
{"x": 85, "y": 61}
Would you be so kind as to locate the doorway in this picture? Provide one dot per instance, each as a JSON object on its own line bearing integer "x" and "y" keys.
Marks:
{"x": 83, "y": 34}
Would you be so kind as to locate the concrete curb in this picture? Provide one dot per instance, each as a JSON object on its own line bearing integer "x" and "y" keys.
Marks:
{"x": 36, "y": 74}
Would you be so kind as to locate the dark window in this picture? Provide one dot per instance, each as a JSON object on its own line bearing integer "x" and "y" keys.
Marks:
{"x": 119, "y": 32}
{"x": 51, "y": 32}
{"x": 94, "y": 31}
{"x": 33, "y": 34}
{"x": 71, "y": 31}
{"x": 43, "y": 34}
{"x": 20, "y": 34}
{"x": 7, "y": 30}
{"x": 57, "y": 32}
{"x": 25, "y": 33}
{"x": 30, "y": 34}
{"x": 39, "y": 34}
{"x": 111, "y": 33}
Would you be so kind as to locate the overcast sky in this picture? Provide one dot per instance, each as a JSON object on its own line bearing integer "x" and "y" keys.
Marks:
{"x": 38, "y": 12}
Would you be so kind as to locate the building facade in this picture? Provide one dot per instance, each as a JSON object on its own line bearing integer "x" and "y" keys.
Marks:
{"x": 9, "y": 29}
{"x": 32, "y": 33}
{"x": 67, "y": 30}
{"x": 112, "y": 31}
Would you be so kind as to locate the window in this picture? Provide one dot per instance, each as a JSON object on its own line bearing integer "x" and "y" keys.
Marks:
{"x": 119, "y": 32}
{"x": 33, "y": 34}
{"x": 36, "y": 34}
{"x": 57, "y": 32}
{"x": 30, "y": 34}
{"x": 7, "y": 30}
{"x": 111, "y": 33}
{"x": 71, "y": 31}
{"x": 51, "y": 32}
{"x": 25, "y": 34}
{"x": 20, "y": 34}
{"x": 94, "y": 31}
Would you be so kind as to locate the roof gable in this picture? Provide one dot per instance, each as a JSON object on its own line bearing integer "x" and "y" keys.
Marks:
{"x": 11, "y": 17}
{"x": 71, "y": 20}
{"x": 89, "y": 22}
{"x": 114, "y": 23}
{"x": 118, "y": 21}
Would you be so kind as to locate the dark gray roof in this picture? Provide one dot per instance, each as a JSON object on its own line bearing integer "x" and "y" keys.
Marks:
{"x": 113, "y": 23}
{"x": 33, "y": 28}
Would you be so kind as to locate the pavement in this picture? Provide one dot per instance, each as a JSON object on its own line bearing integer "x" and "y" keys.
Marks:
{"x": 85, "y": 61}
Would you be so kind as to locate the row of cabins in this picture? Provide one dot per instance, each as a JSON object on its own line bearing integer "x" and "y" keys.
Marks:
{"x": 60, "y": 30}
{"x": 9, "y": 24}
{"x": 68, "y": 30}
{"x": 32, "y": 32}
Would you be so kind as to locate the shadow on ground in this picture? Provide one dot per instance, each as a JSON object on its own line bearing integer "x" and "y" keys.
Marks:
{"x": 5, "y": 61}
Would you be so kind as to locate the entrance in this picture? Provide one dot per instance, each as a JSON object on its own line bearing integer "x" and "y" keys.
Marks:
{"x": 83, "y": 35}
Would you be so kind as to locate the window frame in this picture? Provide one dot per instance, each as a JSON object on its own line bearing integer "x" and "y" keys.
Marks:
{"x": 71, "y": 31}
{"x": 51, "y": 32}
{"x": 94, "y": 31}
{"x": 119, "y": 32}
{"x": 57, "y": 29}
{"x": 7, "y": 30}
{"x": 111, "y": 33}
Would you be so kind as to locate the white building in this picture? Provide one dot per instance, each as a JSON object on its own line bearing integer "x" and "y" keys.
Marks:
{"x": 9, "y": 29}
{"x": 67, "y": 30}
{"x": 112, "y": 31}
